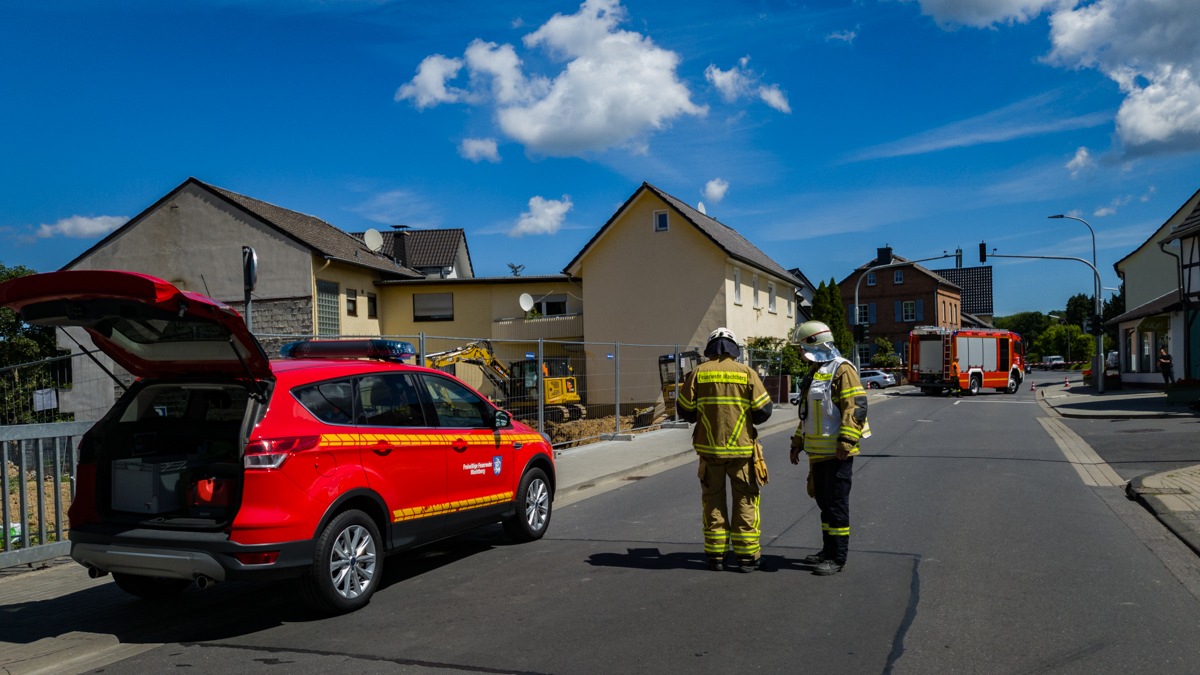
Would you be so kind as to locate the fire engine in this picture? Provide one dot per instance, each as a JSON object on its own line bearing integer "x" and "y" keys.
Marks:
{"x": 970, "y": 359}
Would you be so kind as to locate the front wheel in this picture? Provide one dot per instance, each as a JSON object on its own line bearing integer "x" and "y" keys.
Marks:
{"x": 1013, "y": 384}
{"x": 975, "y": 386}
{"x": 348, "y": 566}
{"x": 150, "y": 588}
{"x": 534, "y": 506}
{"x": 872, "y": 385}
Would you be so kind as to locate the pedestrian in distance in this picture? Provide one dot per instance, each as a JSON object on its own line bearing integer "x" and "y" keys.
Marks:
{"x": 1166, "y": 366}
{"x": 726, "y": 399}
{"x": 833, "y": 420}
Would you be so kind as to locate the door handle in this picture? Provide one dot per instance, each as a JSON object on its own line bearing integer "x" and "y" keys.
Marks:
{"x": 459, "y": 445}
{"x": 383, "y": 448}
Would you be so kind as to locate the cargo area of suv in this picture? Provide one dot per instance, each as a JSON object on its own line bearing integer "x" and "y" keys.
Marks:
{"x": 169, "y": 455}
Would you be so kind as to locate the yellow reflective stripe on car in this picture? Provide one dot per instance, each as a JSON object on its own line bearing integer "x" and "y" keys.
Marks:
{"x": 400, "y": 515}
{"x": 721, "y": 376}
{"x": 420, "y": 439}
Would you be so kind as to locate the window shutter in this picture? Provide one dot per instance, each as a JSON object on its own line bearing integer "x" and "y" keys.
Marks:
{"x": 920, "y": 311}
{"x": 899, "y": 311}
{"x": 871, "y": 313}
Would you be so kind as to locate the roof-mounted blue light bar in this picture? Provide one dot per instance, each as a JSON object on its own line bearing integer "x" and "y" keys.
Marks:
{"x": 368, "y": 348}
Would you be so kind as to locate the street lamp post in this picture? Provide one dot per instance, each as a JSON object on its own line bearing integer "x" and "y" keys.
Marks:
{"x": 1097, "y": 363}
{"x": 857, "y": 359}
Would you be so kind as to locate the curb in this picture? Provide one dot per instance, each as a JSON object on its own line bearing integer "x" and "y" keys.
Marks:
{"x": 1148, "y": 497}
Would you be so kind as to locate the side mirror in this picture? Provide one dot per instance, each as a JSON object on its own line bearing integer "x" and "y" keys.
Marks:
{"x": 502, "y": 420}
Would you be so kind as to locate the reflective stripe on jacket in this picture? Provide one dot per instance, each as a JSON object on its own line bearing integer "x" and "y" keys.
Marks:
{"x": 721, "y": 394}
{"x": 828, "y": 420}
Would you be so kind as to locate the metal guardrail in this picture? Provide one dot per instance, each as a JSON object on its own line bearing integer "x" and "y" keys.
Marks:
{"x": 38, "y": 460}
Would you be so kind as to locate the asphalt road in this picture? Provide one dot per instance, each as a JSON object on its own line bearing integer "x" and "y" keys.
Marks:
{"x": 976, "y": 548}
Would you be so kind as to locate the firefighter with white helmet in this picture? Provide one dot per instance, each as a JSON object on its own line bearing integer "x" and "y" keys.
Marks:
{"x": 725, "y": 399}
{"x": 833, "y": 419}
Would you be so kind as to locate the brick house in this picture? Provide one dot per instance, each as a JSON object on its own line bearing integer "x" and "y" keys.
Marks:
{"x": 894, "y": 300}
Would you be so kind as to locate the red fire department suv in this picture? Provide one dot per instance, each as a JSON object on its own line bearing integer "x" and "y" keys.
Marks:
{"x": 219, "y": 464}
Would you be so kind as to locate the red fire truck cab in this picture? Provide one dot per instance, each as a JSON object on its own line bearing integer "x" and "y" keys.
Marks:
{"x": 971, "y": 359}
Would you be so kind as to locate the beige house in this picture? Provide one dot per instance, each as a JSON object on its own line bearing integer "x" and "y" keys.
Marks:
{"x": 1154, "y": 314}
{"x": 661, "y": 272}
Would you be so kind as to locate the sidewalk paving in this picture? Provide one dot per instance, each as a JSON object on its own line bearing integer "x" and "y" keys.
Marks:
{"x": 1172, "y": 496}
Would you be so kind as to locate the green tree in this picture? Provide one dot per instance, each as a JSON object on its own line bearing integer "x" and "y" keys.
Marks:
{"x": 842, "y": 337}
{"x": 885, "y": 354}
{"x": 1080, "y": 309}
{"x": 20, "y": 342}
{"x": 1028, "y": 324}
{"x": 1066, "y": 340}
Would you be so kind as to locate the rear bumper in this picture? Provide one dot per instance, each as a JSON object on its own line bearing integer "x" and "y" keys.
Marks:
{"x": 184, "y": 555}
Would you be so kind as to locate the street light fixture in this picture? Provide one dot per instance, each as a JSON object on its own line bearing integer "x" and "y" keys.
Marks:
{"x": 1097, "y": 363}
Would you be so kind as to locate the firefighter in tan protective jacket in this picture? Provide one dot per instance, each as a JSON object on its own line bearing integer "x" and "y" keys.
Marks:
{"x": 725, "y": 399}
{"x": 833, "y": 419}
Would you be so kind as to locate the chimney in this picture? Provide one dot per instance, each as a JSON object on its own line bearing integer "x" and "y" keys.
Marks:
{"x": 883, "y": 256}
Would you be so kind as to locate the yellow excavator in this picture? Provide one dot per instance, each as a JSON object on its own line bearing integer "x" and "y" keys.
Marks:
{"x": 517, "y": 386}
{"x": 672, "y": 377}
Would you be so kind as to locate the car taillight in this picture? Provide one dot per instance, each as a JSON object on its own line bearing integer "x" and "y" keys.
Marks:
{"x": 270, "y": 453}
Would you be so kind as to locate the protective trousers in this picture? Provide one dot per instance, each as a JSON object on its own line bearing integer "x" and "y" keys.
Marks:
{"x": 719, "y": 531}
{"x": 831, "y": 485}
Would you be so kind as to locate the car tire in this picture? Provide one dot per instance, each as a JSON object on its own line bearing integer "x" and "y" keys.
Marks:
{"x": 150, "y": 588}
{"x": 534, "y": 505}
{"x": 975, "y": 386}
{"x": 348, "y": 566}
{"x": 872, "y": 385}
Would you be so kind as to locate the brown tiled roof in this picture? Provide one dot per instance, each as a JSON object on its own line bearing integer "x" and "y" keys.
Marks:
{"x": 315, "y": 233}
{"x": 418, "y": 249}
{"x": 726, "y": 238}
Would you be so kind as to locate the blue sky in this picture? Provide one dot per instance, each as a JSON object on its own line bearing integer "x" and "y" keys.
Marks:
{"x": 819, "y": 130}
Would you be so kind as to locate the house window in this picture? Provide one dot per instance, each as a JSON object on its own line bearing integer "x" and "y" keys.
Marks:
{"x": 864, "y": 352}
{"x": 433, "y": 306}
{"x": 898, "y": 277}
{"x": 910, "y": 311}
{"x": 864, "y": 314}
{"x": 790, "y": 298}
{"x": 328, "y": 322}
{"x": 870, "y": 278}
{"x": 351, "y": 302}
{"x": 737, "y": 286}
{"x": 372, "y": 306}
{"x": 771, "y": 297}
{"x": 660, "y": 221}
{"x": 754, "y": 283}
{"x": 551, "y": 305}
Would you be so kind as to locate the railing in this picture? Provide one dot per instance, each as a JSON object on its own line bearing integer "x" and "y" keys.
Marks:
{"x": 39, "y": 483}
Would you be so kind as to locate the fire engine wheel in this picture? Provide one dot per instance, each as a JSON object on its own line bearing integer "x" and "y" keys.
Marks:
{"x": 1013, "y": 385}
{"x": 150, "y": 588}
{"x": 348, "y": 564}
{"x": 534, "y": 506}
{"x": 975, "y": 386}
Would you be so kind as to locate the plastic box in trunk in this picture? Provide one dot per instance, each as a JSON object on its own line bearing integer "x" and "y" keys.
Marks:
{"x": 147, "y": 484}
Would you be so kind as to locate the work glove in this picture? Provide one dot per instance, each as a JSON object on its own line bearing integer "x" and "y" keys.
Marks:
{"x": 797, "y": 448}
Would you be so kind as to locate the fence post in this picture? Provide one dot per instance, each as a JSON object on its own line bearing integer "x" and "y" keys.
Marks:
{"x": 617, "y": 386}
{"x": 678, "y": 382}
{"x": 541, "y": 396}
{"x": 22, "y": 493}
{"x": 58, "y": 509}
{"x": 40, "y": 488}
{"x": 4, "y": 514}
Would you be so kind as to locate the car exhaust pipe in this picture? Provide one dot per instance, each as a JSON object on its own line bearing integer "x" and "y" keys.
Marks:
{"x": 95, "y": 572}
{"x": 203, "y": 582}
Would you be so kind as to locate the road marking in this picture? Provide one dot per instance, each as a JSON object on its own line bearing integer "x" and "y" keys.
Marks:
{"x": 1093, "y": 470}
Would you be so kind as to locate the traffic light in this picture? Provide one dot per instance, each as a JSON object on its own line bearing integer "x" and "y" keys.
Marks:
{"x": 866, "y": 332}
{"x": 982, "y": 252}
{"x": 859, "y": 331}
{"x": 1097, "y": 325}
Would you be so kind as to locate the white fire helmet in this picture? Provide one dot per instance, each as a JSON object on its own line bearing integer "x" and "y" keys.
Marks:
{"x": 816, "y": 341}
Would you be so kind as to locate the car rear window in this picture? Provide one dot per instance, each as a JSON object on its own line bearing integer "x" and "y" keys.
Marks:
{"x": 330, "y": 402}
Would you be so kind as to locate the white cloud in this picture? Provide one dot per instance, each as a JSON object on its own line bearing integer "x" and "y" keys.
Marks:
{"x": 742, "y": 82}
{"x": 983, "y": 13}
{"x": 615, "y": 86}
{"x": 1149, "y": 49}
{"x": 1080, "y": 162}
{"x": 715, "y": 189}
{"x": 81, "y": 227}
{"x": 846, "y": 36}
{"x": 479, "y": 149}
{"x": 428, "y": 88}
{"x": 545, "y": 216}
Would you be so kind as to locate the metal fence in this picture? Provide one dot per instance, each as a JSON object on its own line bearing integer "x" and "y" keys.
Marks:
{"x": 39, "y": 483}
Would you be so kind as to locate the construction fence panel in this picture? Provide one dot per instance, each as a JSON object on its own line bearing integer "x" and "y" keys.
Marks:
{"x": 39, "y": 483}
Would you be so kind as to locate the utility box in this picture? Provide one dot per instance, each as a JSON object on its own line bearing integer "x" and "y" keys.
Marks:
{"x": 147, "y": 485}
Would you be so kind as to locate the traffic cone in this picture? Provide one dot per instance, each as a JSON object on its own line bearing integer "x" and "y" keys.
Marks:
{"x": 1032, "y": 385}
{"x": 1067, "y": 382}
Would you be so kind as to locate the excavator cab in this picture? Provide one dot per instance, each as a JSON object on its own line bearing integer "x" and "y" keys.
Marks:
{"x": 560, "y": 388}
{"x": 672, "y": 377}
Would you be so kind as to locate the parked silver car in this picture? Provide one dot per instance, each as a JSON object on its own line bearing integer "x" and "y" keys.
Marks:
{"x": 877, "y": 379}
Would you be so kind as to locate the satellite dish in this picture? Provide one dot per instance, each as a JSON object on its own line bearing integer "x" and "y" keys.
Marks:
{"x": 700, "y": 208}
{"x": 526, "y": 302}
{"x": 373, "y": 239}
